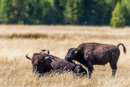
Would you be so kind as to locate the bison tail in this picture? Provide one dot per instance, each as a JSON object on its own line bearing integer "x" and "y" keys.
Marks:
{"x": 124, "y": 48}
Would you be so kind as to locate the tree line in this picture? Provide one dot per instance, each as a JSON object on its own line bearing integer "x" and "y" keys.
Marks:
{"x": 76, "y": 12}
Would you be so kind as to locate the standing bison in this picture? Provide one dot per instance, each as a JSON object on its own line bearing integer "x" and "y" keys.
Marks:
{"x": 44, "y": 62}
{"x": 90, "y": 54}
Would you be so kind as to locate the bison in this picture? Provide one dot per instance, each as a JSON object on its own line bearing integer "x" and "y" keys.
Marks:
{"x": 90, "y": 54}
{"x": 44, "y": 62}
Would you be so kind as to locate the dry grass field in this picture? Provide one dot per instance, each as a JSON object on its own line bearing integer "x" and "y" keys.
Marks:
{"x": 18, "y": 40}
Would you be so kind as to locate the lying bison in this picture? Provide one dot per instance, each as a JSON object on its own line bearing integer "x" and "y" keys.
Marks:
{"x": 43, "y": 62}
{"x": 90, "y": 54}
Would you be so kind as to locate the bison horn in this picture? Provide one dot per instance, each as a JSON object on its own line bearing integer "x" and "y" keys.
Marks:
{"x": 28, "y": 57}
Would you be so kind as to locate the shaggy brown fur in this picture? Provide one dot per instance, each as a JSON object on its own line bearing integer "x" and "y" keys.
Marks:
{"x": 43, "y": 62}
{"x": 90, "y": 54}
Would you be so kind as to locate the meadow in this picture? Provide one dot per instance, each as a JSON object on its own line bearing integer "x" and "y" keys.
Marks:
{"x": 18, "y": 40}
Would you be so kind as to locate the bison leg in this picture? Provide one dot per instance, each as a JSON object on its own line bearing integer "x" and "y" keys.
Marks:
{"x": 114, "y": 68}
{"x": 90, "y": 69}
{"x": 113, "y": 63}
{"x": 89, "y": 64}
{"x": 113, "y": 73}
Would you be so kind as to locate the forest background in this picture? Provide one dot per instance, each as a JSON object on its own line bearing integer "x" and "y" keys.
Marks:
{"x": 75, "y": 12}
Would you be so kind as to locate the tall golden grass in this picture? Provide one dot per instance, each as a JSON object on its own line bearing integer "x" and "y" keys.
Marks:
{"x": 18, "y": 40}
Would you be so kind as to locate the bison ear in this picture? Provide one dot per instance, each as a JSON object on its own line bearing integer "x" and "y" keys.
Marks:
{"x": 75, "y": 51}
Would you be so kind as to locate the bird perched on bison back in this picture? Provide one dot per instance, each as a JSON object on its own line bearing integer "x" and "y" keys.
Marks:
{"x": 90, "y": 54}
{"x": 44, "y": 62}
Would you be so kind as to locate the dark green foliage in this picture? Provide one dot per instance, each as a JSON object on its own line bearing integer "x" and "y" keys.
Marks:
{"x": 60, "y": 6}
{"x": 2, "y": 11}
{"x": 127, "y": 16}
{"x": 126, "y": 8}
{"x": 77, "y": 12}
{"x": 118, "y": 19}
{"x": 93, "y": 12}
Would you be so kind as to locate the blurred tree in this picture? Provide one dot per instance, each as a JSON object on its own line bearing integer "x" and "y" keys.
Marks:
{"x": 12, "y": 11}
{"x": 32, "y": 12}
{"x": 78, "y": 12}
{"x": 118, "y": 19}
{"x": 5, "y": 9}
{"x": 101, "y": 13}
{"x": 126, "y": 8}
{"x": 71, "y": 12}
{"x": 126, "y": 15}
{"x": 2, "y": 11}
{"x": 17, "y": 12}
{"x": 60, "y": 6}
{"x": 50, "y": 15}
{"x": 92, "y": 12}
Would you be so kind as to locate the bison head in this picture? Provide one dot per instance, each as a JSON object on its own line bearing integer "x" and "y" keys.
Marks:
{"x": 71, "y": 54}
{"x": 38, "y": 61}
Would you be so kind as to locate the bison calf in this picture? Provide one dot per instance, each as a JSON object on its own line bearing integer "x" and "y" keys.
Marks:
{"x": 90, "y": 54}
{"x": 43, "y": 62}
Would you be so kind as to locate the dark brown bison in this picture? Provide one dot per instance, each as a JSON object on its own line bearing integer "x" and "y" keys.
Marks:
{"x": 90, "y": 54}
{"x": 43, "y": 62}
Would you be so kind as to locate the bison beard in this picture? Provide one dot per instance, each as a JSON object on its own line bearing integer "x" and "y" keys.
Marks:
{"x": 43, "y": 62}
{"x": 90, "y": 54}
